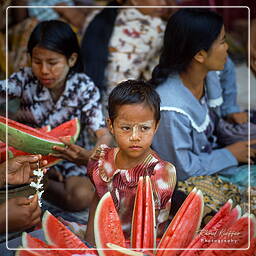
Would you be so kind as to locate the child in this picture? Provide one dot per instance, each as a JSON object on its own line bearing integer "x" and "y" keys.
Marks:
{"x": 55, "y": 90}
{"x": 134, "y": 114}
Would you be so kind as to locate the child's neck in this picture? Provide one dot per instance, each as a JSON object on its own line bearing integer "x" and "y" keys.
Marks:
{"x": 122, "y": 161}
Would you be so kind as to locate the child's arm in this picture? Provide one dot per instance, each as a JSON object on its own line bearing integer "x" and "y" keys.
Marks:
{"x": 89, "y": 235}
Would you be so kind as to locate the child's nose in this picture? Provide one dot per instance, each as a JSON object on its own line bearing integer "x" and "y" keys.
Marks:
{"x": 135, "y": 134}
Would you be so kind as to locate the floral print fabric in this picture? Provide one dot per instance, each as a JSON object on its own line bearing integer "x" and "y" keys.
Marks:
{"x": 80, "y": 99}
{"x": 134, "y": 46}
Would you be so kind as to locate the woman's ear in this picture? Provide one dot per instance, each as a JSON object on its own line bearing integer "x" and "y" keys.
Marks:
{"x": 72, "y": 59}
{"x": 201, "y": 56}
{"x": 110, "y": 126}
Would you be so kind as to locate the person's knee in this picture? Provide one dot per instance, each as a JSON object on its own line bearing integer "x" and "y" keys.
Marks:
{"x": 80, "y": 197}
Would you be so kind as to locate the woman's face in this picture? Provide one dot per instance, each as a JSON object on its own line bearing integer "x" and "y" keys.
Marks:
{"x": 217, "y": 54}
{"x": 50, "y": 68}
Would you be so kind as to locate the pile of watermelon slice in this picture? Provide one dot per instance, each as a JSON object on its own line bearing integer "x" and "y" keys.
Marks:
{"x": 24, "y": 140}
{"x": 227, "y": 233}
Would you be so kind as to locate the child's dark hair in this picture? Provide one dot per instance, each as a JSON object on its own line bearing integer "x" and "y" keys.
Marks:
{"x": 57, "y": 36}
{"x": 133, "y": 92}
{"x": 187, "y": 32}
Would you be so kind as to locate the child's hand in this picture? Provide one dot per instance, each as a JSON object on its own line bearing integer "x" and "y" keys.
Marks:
{"x": 20, "y": 168}
{"x": 240, "y": 151}
{"x": 238, "y": 118}
{"x": 72, "y": 152}
{"x": 23, "y": 213}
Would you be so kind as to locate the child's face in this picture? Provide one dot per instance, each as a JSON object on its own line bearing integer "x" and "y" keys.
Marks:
{"x": 134, "y": 129}
{"x": 50, "y": 68}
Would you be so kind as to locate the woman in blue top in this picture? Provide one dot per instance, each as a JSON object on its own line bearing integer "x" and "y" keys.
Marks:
{"x": 191, "y": 97}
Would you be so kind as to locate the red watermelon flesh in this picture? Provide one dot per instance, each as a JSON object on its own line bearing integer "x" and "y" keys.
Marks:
{"x": 186, "y": 228}
{"x": 143, "y": 234}
{"x": 236, "y": 236}
{"x": 175, "y": 221}
{"x": 58, "y": 235}
{"x": 137, "y": 223}
{"x": 251, "y": 251}
{"x": 70, "y": 128}
{"x": 23, "y": 252}
{"x": 222, "y": 220}
{"x": 149, "y": 232}
{"x": 107, "y": 226}
{"x": 29, "y": 241}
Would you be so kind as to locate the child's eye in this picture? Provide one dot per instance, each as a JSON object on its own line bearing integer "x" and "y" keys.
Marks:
{"x": 145, "y": 128}
{"x": 125, "y": 128}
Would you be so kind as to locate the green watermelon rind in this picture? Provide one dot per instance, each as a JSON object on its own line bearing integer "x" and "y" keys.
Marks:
{"x": 26, "y": 142}
{"x": 78, "y": 128}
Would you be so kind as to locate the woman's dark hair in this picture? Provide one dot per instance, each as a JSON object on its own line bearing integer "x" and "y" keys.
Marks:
{"x": 56, "y": 36}
{"x": 95, "y": 42}
{"x": 187, "y": 32}
{"x": 133, "y": 92}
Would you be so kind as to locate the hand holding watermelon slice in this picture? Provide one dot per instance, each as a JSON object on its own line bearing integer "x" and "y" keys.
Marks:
{"x": 71, "y": 152}
{"x": 35, "y": 140}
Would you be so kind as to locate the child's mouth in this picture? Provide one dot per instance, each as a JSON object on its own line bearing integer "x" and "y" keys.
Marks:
{"x": 135, "y": 147}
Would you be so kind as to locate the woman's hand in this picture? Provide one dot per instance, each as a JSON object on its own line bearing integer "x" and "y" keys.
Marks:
{"x": 72, "y": 152}
{"x": 237, "y": 118}
{"x": 20, "y": 169}
{"x": 241, "y": 152}
{"x": 23, "y": 213}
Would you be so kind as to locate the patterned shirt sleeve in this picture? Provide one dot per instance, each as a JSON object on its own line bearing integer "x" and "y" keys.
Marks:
{"x": 163, "y": 181}
{"x": 15, "y": 83}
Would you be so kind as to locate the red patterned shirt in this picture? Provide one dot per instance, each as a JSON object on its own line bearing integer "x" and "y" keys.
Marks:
{"x": 123, "y": 183}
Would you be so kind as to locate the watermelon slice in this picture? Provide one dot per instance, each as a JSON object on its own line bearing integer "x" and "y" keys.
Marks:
{"x": 236, "y": 236}
{"x": 24, "y": 252}
{"x": 251, "y": 251}
{"x": 58, "y": 235}
{"x": 70, "y": 128}
{"x": 222, "y": 220}
{"x": 137, "y": 218}
{"x": 143, "y": 233}
{"x": 184, "y": 225}
{"x": 107, "y": 226}
{"x": 25, "y": 138}
{"x": 31, "y": 242}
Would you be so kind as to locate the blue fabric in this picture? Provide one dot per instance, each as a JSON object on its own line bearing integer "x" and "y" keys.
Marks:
{"x": 178, "y": 139}
{"x": 229, "y": 89}
{"x": 241, "y": 179}
{"x": 42, "y": 13}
